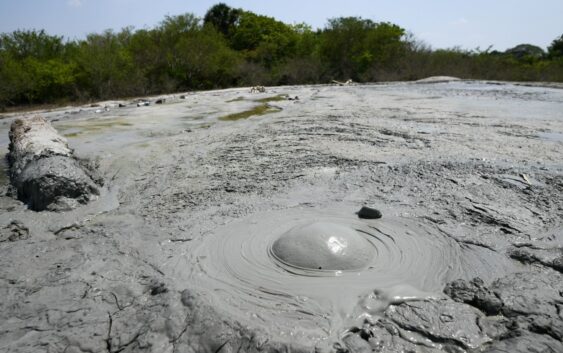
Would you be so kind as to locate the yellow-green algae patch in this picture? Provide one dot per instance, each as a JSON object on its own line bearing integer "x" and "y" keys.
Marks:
{"x": 91, "y": 126}
{"x": 279, "y": 97}
{"x": 261, "y": 109}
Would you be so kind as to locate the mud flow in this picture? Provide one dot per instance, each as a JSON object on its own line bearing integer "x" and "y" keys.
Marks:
{"x": 396, "y": 217}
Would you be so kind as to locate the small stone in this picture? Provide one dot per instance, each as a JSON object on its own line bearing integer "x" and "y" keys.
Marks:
{"x": 369, "y": 213}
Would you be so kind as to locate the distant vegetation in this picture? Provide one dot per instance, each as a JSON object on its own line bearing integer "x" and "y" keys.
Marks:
{"x": 232, "y": 47}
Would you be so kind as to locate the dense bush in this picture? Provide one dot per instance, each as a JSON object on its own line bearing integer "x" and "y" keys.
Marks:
{"x": 233, "y": 47}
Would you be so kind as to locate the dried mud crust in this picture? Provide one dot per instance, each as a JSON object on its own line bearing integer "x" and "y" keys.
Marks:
{"x": 113, "y": 282}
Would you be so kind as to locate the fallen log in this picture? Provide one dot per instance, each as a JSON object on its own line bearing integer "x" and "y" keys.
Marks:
{"x": 44, "y": 170}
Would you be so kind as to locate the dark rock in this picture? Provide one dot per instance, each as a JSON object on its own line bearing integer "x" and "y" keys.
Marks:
{"x": 121, "y": 105}
{"x": 475, "y": 294}
{"x": 160, "y": 101}
{"x": 369, "y": 213}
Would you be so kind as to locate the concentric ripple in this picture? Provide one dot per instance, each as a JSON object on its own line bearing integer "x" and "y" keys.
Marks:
{"x": 307, "y": 274}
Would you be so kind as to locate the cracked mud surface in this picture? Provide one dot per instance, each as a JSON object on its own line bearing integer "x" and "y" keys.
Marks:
{"x": 172, "y": 257}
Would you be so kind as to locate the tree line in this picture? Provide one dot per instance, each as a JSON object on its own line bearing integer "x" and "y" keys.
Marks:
{"x": 232, "y": 47}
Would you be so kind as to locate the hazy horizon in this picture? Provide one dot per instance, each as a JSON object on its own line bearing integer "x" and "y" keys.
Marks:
{"x": 440, "y": 23}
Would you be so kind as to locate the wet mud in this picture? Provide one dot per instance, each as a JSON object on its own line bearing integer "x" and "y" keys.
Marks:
{"x": 247, "y": 235}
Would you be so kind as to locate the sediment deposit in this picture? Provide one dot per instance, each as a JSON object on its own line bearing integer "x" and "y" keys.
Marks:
{"x": 222, "y": 234}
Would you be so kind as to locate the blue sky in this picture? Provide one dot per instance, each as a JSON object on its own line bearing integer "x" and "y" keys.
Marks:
{"x": 440, "y": 23}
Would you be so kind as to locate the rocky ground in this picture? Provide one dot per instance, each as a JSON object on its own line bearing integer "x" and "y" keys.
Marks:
{"x": 474, "y": 167}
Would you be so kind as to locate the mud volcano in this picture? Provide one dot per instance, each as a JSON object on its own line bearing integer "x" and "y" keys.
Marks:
{"x": 209, "y": 234}
{"x": 311, "y": 275}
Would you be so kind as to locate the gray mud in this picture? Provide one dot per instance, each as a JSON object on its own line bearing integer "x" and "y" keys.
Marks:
{"x": 209, "y": 234}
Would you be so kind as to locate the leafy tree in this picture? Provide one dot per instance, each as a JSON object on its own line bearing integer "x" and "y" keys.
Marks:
{"x": 555, "y": 50}
{"x": 204, "y": 60}
{"x": 174, "y": 27}
{"x": 352, "y": 45}
{"x": 34, "y": 67}
{"x": 149, "y": 59}
{"x": 222, "y": 17}
{"x": 37, "y": 44}
{"x": 105, "y": 66}
{"x": 235, "y": 47}
{"x": 307, "y": 41}
{"x": 263, "y": 39}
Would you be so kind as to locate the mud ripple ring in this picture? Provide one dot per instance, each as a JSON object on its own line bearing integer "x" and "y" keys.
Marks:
{"x": 307, "y": 274}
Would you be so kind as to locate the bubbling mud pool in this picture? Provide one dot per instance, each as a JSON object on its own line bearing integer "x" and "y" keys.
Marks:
{"x": 309, "y": 276}
{"x": 317, "y": 246}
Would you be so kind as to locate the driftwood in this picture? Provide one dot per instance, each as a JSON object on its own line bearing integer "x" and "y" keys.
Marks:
{"x": 43, "y": 168}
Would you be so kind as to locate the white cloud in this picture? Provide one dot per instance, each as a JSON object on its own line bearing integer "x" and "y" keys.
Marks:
{"x": 75, "y": 3}
{"x": 459, "y": 22}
